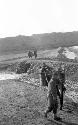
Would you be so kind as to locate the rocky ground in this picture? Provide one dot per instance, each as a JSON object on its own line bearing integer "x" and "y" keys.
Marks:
{"x": 23, "y": 101}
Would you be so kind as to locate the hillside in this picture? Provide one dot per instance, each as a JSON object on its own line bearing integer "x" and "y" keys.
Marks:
{"x": 20, "y": 44}
{"x": 23, "y": 100}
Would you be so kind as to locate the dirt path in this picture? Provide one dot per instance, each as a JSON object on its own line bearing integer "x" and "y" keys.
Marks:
{"x": 24, "y": 104}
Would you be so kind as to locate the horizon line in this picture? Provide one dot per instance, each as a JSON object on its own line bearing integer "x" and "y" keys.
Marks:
{"x": 19, "y": 35}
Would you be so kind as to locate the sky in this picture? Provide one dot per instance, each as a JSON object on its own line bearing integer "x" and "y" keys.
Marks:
{"x": 27, "y": 17}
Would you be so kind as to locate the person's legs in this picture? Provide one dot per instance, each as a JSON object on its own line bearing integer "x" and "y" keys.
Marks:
{"x": 55, "y": 107}
{"x": 50, "y": 106}
{"x": 60, "y": 94}
{"x": 61, "y": 102}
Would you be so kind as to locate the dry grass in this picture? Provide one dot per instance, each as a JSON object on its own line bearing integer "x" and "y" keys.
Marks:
{"x": 23, "y": 103}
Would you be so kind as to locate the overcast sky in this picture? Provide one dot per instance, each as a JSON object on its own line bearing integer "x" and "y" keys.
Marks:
{"x": 26, "y": 17}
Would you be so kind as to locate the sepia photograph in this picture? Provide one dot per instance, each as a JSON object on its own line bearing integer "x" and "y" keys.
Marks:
{"x": 38, "y": 62}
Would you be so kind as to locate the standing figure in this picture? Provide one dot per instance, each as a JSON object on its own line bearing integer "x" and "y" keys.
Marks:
{"x": 61, "y": 72}
{"x": 46, "y": 75}
{"x": 30, "y": 54}
{"x": 35, "y": 53}
{"x": 52, "y": 96}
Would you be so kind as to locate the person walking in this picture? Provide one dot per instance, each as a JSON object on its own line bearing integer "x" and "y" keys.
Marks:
{"x": 52, "y": 96}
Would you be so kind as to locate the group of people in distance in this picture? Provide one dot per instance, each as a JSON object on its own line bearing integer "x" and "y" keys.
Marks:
{"x": 54, "y": 80}
{"x": 31, "y": 54}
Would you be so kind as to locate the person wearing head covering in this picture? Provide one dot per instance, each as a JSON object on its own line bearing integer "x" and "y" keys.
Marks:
{"x": 52, "y": 96}
{"x": 43, "y": 75}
